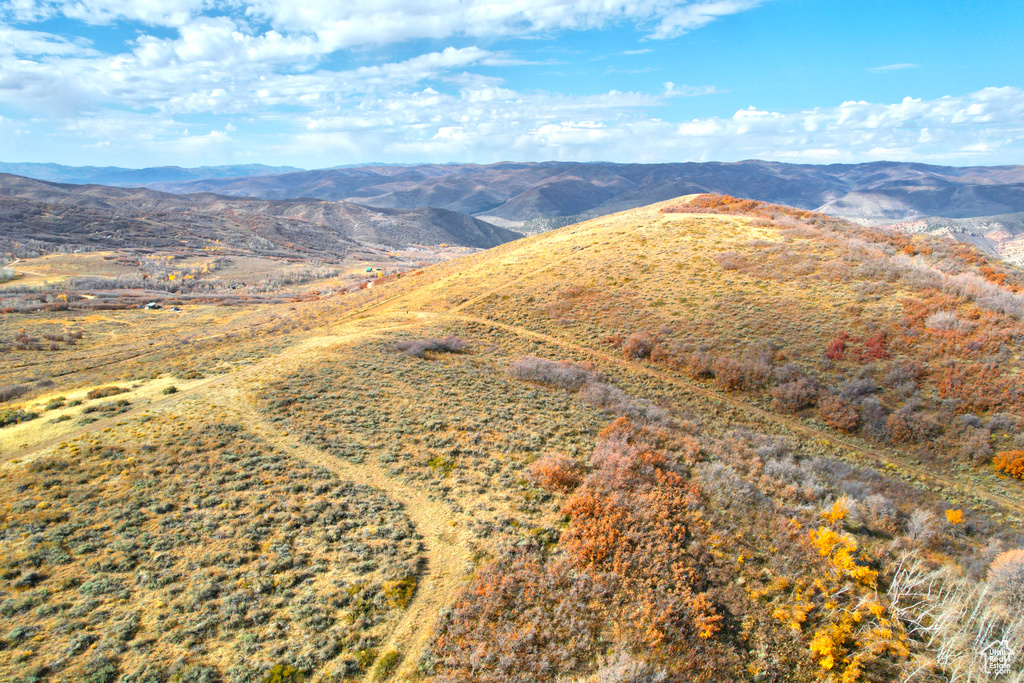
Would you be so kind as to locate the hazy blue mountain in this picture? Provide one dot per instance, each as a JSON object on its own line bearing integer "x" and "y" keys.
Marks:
{"x": 135, "y": 177}
{"x": 518, "y": 192}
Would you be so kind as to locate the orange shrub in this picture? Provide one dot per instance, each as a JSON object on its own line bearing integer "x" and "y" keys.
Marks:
{"x": 981, "y": 387}
{"x": 954, "y": 517}
{"x": 1011, "y": 462}
{"x": 638, "y": 345}
{"x": 555, "y": 472}
{"x": 627, "y": 571}
{"x": 838, "y": 413}
{"x": 741, "y": 374}
{"x": 1006, "y": 576}
{"x": 700, "y": 365}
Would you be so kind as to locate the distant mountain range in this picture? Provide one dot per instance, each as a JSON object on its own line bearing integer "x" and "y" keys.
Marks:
{"x": 517, "y": 192}
{"x": 136, "y": 177}
{"x": 532, "y": 197}
{"x": 53, "y": 216}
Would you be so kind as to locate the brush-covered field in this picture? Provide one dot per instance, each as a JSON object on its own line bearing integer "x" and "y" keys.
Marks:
{"x": 703, "y": 440}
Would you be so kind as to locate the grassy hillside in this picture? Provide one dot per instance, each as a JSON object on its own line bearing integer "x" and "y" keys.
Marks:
{"x": 701, "y": 440}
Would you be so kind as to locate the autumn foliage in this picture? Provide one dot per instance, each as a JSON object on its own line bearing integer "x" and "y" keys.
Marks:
{"x": 1006, "y": 576}
{"x": 712, "y": 203}
{"x": 623, "y": 574}
{"x": 860, "y": 350}
{"x": 838, "y": 413}
{"x": 634, "y": 518}
{"x": 556, "y": 472}
{"x": 1010, "y": 462}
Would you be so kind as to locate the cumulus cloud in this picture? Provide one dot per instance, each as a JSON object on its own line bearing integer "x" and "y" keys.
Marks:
{"x": 270, "y": 65}
{"x": 943, "y": 128}
{"x": 36, "y": 43}
{"x": 428, "y": 108}
{"x": 338, "y": 25}
{"x": 498, "y": 124}
{"x": 152, "y": 12}
{"x": 251, "y": 57}
{"x": 433, "y": 125}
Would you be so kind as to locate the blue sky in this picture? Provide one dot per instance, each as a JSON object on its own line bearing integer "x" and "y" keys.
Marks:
{"x": 322, "y": 83}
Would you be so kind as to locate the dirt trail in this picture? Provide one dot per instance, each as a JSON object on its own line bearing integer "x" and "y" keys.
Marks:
{"x": 445, "y": 547}
{"x": 446, "y": 551}
{"x": 19, "y": 270}
{"x": 207, "y": 384}
{"x": 876, "y": 456}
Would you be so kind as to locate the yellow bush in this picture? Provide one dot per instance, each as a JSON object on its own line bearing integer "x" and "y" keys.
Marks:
{"x": 838, "y": 512}
{"x": 839, "y": 548}
{"x": 1011, "y": 462}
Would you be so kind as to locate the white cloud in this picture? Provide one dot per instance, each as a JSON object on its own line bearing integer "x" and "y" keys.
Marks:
{"x": 254, "y": 62}
{"x": 338, "y": 25}
{"x": 891, "y": 67}
{"x": 428, "y": 125}
{"x": 36, "y": 43}
{"x": 945, "y": 128}
{"x": 396, "y": 112}
{"x": 152, "y": 12}
{"x": 689, "y": 16}
{"x": 250, "y": 56}
{"x": 673, "y": 90}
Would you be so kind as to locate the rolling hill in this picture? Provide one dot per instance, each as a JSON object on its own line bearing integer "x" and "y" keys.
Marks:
{"x": 705, "y": 439}
{"x": 51, "y": 216}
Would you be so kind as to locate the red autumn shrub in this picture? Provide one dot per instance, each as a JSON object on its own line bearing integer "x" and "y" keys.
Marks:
{"x": 555, "y": 472}
{"x": 836, "y": 349}
{"x": 638, "y": 345}
{"x": 875, "y": 348}
{"x": 838, "y": 413}
{"x": 908, "y": 425}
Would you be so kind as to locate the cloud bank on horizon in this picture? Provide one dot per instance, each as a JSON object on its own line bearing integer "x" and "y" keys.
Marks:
{"x": 318, "y": 83}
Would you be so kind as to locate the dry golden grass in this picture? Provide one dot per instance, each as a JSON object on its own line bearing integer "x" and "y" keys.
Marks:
{"x": 444, "y": 441}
